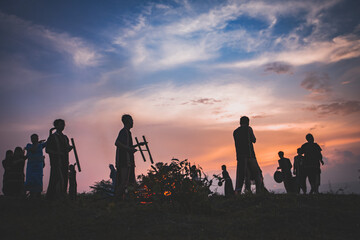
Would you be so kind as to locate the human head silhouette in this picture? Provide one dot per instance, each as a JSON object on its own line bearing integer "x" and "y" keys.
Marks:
{"x": 244, "y": 121}
{"x": 299, "y": 151}
{"x": 223, "y": 167}
{"x": 59, "y": 125}
{"x": 9, "y": 154}
{"x": 111, "y": 166}
{"x": 281, "y": 154}
{"x": 34, "y": 138}
{"x": 127, "y": 121}
{"x": 310, "y": 138}
{"x": 18, "y": 152}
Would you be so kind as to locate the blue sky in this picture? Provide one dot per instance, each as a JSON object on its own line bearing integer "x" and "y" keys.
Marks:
{"x": 183, "y": 68}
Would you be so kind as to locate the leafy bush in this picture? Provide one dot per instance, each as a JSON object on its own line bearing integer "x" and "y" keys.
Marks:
{"x": 177, "y": 183}
{"x": 102, "y": 188}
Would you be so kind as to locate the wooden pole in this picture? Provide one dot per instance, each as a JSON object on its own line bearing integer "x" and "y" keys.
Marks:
{"x": 76, "y": 155}
{"x": 141, "y": 151}
{"x": 148, "y": 150}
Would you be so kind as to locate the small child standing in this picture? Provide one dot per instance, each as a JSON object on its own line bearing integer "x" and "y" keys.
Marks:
{"x": 299, "y": 171}
{"x": 229, "y": 189}
{"x": 7, "y": 165}
{"x": 72, "y": 182}
{"x": 17, "y": 172}
{"x": 35, "y": 165}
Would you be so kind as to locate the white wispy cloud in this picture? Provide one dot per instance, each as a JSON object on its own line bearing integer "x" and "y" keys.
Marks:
{"x": 185, "y": 37}
{"x": 81, "y": 53}
{"x": 340, "y": 48}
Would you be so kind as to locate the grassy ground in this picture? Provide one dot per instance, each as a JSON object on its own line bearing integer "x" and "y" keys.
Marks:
{"x": 271, "y": 216}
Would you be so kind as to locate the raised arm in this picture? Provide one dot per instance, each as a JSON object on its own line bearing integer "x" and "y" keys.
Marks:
{"x": 252, "y": 135}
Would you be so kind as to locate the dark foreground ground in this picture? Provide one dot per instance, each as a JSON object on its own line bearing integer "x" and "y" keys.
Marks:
{"x": 272, "y": 216}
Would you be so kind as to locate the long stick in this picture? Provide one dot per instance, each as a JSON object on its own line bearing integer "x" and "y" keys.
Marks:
{"x": 148, "y": 150}
{"x": 76, "y": 156}
{"x": 141, "y": 151}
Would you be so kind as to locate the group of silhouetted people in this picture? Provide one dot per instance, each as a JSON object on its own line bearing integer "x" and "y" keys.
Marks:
{"x": 14, "y": 163}
{"x": 306, "y": 166}
{"x": 58, "y": 148}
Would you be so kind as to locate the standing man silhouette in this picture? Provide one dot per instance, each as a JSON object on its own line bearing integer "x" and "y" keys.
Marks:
{"x": 124, "y": 161}
{"x": 58, "y": 148}
{"x": 298, "y": 171}
{"x": 244, "y": 138}
{"x": 285, "y": 166}
{"x": 313, "y": 158}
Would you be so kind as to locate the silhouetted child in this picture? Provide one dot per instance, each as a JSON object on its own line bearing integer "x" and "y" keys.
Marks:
{"x": 17, "y": 173}
{"x": 35, "y": 165}
{"x": 112, "y": 177}
{"x": 7, "y": 165}
{"x": 194, "y": 173}
{"x": 299, "y": 172}
{"x": 229, "y": 189}
{"x": 72, "y": 182}
{"x": 313, "y": 158}
{"x": 285, "y": 167}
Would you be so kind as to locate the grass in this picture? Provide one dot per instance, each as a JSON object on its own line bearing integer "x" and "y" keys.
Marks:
{"x": 272, "y": 216}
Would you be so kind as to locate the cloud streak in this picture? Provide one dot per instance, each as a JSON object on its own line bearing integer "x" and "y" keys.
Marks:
{"x": 81, "y": 53}
{"x": 318, "y": 85}
{"x": 343, "y": 108}
{"x": 166, "y": 104}
{"x": 339, "y": 48}
{"x": 279, "y": 68}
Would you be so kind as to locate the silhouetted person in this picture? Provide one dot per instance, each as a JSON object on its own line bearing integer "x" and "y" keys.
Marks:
{"x": 299, "y": 171}
{"x": 195, "y": 173}
{"x": 313, "y": 158}
{"x": 125, "y": 164}
{"x": 285, "y": 167}
{"x": 35, "y": 165}
{"x": 58, "y": 148}
{"x": 8, "y": 171}
{"x": 229, "y": 189}
{"x": 244, "y": 138}
{"x": 72, "y": 182}
{"x": 17, "y": 176}
{"x": 112, "y": 177}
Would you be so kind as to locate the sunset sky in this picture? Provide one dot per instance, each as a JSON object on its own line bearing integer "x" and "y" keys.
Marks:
{"x": 186, "y": 71}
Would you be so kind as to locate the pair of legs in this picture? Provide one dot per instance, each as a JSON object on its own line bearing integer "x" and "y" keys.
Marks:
{"x": 314, "y": 179}
{"x": 58, "y": 178}
{"x": 243, "y": 164}
{"x": 122, "y": 181}
{"x": 301, "y": 182}
{"x": 288, "y": 183}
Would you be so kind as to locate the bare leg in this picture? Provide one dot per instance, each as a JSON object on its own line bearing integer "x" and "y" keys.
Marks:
{"x": 240, "y": 174}
{"x": 247, "y": 181}
{"x": 254, "y": 169}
